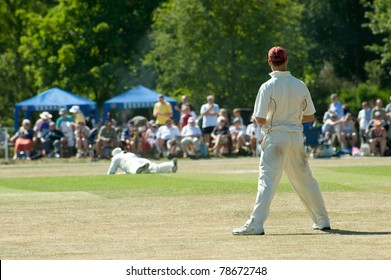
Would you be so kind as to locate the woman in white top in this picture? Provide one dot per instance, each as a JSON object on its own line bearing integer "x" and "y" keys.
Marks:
{"x": 348, "y": 135}
{"x": 150, "y": 136}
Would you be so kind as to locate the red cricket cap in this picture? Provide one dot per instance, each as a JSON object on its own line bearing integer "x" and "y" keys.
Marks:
{"x": 277, "y": 54}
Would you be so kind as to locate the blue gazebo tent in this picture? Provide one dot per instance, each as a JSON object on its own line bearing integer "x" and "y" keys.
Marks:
{"x": 52, "y": 100}
{"x": 139, "y": 97}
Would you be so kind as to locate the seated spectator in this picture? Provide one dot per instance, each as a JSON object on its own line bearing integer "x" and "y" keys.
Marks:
{"x": 82, "y": 132}
{"x": 52, "y": 140}
{"x": 133, "y": 136}
{"x": 377, "y": 137}
{"x": 65, "y": 124}
{"x": 191, "y": 138}
{"x": 254, "y": 135}
{"x": 371, "y": 123}
{"x": 167, "y": 136}
{"x": 327, "y": 115}
{"x": 150, "y": 136}
{"x": 42, "y": 124}
{"x": 24, "y": 140}
{"x": 40, "y": 127}
{"x": 221, "y": 136}
{"x": 237, "y": 114}
{"x": 348, "y": 132}
{"x": 142, "y": 147}
{"x": 237, "y": 133}
{"x": 128, "y": 136}
{"x": 329, "y": 130}
{"x": 77, "y": 114}
{"x": 106, "y": 138}
{"x": 223, "y": 113}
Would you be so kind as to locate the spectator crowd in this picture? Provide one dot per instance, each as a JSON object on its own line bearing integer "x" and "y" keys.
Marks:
{"x": 369, "y": 129}
{"x": 211, "y": 131}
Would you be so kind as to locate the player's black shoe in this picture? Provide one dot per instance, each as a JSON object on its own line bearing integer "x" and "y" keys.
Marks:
{"x": 142, "y": 169}
{"x": 175, "y": 167}
{"x": 315, "y": 227}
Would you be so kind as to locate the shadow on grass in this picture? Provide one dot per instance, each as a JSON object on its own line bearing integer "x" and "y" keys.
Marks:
{"x": 341, "y": 232}
{"x": 353, "y": 232}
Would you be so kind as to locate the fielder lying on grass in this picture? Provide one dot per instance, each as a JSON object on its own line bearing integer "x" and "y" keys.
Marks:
{"x": 131, "y": 164}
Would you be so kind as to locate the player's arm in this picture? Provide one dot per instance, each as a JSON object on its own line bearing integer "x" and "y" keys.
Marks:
{"x": 308, "y": 118}
{"x": 113, "y": 167}
{"x": 260, "y": 121}
{"x": 261, "y": 106}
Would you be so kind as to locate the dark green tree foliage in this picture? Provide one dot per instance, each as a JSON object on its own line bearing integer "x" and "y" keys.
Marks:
{"x": 87, "y": 47}
{"x": 197, "y": 47}
{"x": 13, "y": 85}
{"x": 379, "y": 22}
{"x": 333, "y": 30}
{"x": 218, "y": 47}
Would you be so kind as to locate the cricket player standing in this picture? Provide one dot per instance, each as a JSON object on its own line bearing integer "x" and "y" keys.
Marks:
{"x": 131, "y": 164}
{"x": 283, "y": 103}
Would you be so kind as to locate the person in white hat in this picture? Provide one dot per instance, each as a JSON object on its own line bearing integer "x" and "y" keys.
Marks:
{"x": 150, "y": 136}
{"x": 66, "y": 124}
{"x": 191, "y": 138}
{"x": 77, "y": 114}
{"x": 42, "y": 125}
{"x": 131, "y": 164}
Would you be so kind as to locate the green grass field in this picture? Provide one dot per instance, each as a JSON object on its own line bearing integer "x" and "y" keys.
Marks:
{"x": 74, "y": 211}
{"x": 341, "y": 178}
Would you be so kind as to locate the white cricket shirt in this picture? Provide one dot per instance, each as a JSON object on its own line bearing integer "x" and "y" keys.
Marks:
{"x": 123, "y": 161}
{"x": 282, "y": 101}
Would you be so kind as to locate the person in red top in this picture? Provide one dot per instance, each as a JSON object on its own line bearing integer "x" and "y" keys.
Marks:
{"x": 24, "y": 140}
{"x": 184, "y": 117}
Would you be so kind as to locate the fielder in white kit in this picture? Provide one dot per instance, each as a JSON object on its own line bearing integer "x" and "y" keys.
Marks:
{"x": 283, "y": 103}
{"x": 131, "y": 164}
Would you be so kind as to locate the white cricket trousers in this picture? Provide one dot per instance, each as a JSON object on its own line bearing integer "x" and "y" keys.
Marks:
{"x": 136, "y": 163}
{"x": 284, "y": 151}
{"x": 164, "y": 167}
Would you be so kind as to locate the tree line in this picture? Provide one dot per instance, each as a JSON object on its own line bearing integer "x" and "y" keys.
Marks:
{"x": 100, "y": 48}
